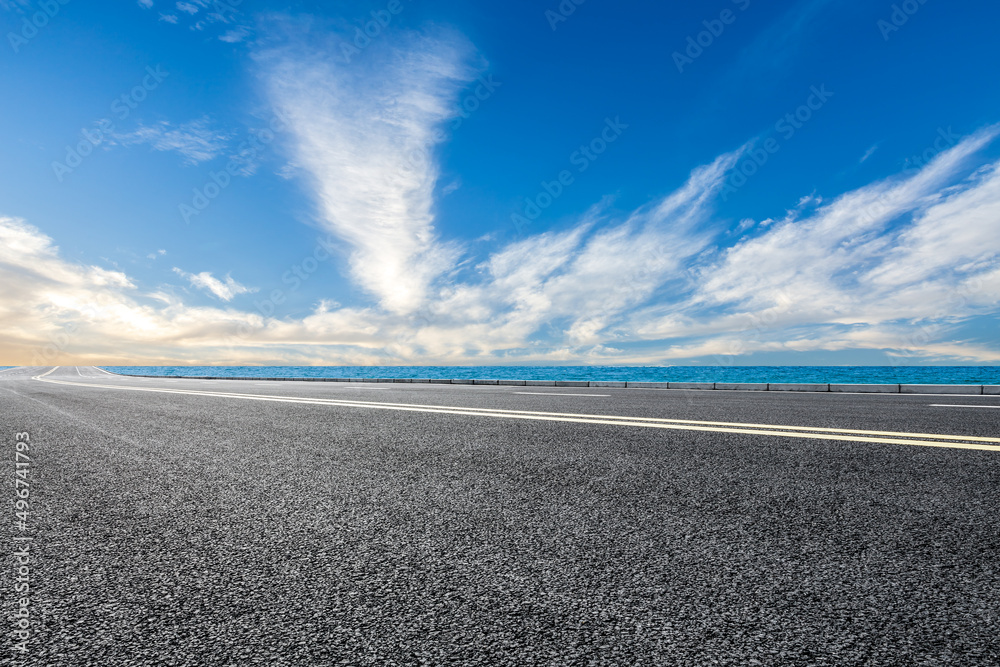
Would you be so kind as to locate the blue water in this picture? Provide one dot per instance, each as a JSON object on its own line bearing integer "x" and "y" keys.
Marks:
{"x": 832, "y": 374}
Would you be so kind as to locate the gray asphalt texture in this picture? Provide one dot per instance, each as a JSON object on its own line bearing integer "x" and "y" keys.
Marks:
{"x": 176, "y": 529}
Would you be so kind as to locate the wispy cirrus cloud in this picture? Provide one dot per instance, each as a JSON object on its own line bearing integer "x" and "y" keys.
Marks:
{"x": 867, "y": 265}
{"x": 224, "y": 290}
{"x": 196, "y": 141}
{"x": 15, "y": 5}
{"x": 199, "y": 15}
{"x": 868, "y": 153}
{"x": 236, "y": 35}
{"x": 366, "y": 133}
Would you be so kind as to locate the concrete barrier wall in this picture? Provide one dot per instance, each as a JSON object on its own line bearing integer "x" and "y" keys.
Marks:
{"x": 785, "y": 386}
{"x": 957, "y": 389}
{"x": 866, "y": 388}
{"x": 941, "y": 389}
{"x": 741, "y": 386}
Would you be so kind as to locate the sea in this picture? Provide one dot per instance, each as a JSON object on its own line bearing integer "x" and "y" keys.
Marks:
{"x": 817, "y": 374}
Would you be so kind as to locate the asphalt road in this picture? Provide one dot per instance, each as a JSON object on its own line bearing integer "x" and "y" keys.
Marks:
{"x": 191, "y": 522}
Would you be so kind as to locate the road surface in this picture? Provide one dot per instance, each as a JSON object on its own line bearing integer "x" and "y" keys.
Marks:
{"x": 196, "y": 522}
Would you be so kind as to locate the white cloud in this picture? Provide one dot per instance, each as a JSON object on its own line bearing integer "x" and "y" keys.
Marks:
{"x": 877, "y": 259}
{"x": 366, "y": 133}
{"x": 15, "y": 5}
{"x": 235, "y": 36}
{"x": 196, "y": 141}
{"x": 169, "y": 18}
{"x": 187, "y": 7}
{"x": 590, "y": 275}
{"x": 53, "y": 311}
{"x": 146, "y": 4}
{"x": 224, "y": 290}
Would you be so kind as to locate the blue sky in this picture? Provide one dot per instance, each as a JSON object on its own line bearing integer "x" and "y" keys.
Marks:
{"x": 730, "y": 182}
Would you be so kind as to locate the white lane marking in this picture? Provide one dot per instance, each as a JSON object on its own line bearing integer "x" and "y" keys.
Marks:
{"x": 956, "y": 405}
{"x": 78, "y": 371}
{"x": 554, "y": 393}
{"x": 545, "y": 414}
{"x": 680, "y": 425}
{"x": 38, "y": 377}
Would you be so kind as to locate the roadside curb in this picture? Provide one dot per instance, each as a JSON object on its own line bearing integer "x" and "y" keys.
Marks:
{"x": 957, "y": 389}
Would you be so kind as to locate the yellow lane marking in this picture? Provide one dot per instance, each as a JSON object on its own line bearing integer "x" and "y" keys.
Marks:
{"x": 714, "y": 427}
